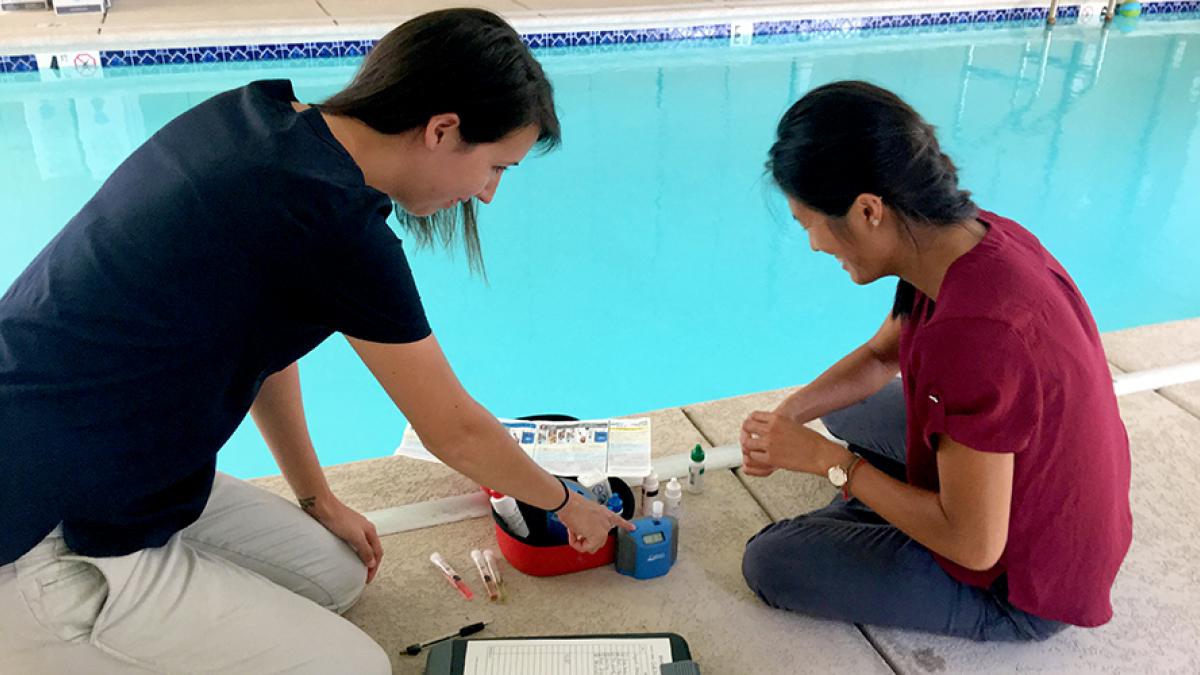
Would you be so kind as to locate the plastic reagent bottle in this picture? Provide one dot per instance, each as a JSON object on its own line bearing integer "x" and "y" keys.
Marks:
{"x": 510, "y": 513}
{"x": 656, "y": 510}
{"x": 673, "y": 497}
{"x": 596, "y": 483}
{"x": 696, "y": 471}
{"x": 649, "y": 492}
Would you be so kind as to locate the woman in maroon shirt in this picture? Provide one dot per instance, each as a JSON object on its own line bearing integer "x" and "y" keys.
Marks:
{"x": 986, "y": 493}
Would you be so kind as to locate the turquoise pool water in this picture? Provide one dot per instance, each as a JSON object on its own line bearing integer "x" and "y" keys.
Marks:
{"x": 648, "y": 263}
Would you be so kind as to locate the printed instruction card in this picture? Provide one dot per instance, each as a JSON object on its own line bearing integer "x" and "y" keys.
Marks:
{"x": 616, "y": 447}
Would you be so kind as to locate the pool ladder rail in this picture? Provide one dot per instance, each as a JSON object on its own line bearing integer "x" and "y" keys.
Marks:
{"x": 1107, "y": 14}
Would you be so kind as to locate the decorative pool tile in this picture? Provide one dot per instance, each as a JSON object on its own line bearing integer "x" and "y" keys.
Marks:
{"x": 19, "y": 63}
{"x": 1170, "y": 7}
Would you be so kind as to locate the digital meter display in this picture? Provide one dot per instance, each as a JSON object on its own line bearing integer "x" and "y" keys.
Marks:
{"x": 656, "y": 538}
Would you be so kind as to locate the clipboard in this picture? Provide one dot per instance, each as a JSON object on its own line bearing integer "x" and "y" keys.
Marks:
{"x": 450, "y": 657}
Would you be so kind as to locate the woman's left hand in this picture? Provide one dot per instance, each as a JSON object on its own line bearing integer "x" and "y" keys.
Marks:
{"x": 353, "y": 528}
{"x": 778, "y": 441}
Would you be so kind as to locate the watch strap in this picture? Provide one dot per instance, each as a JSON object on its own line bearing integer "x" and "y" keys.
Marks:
{"x": 850, "y": 468}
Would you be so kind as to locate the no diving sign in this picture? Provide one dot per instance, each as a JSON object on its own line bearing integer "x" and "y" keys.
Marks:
{"x": 63, "y": 65}
{"x": 86, "y": 61}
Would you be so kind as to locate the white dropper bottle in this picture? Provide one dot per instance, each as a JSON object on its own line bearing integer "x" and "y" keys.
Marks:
{"x": 649, "y": 492}
{"x": 674, "y": 495}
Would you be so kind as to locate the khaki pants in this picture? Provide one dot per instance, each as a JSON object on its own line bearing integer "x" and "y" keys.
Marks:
{"x": 254, "y": 586}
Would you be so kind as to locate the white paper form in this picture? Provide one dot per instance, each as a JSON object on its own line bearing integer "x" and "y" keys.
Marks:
{"x": 628, "y": 445}
{"x": 524, "y": 433}
{"x": 571, "y": 448}
{"x": 411, "y": 446}
{"x": 615, "y": 447}
{"x": 632, "y": 656}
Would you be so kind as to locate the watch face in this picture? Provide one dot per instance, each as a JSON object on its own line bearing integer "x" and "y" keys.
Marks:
{"x": 837, "y": 476}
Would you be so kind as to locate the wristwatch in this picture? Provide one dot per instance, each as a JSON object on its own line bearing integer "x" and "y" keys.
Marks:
{"x": 837, "y": 474}
{"x": 840, "y": 475}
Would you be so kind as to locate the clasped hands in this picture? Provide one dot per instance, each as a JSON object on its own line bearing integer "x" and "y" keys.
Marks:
{"x": 773, "y": 440}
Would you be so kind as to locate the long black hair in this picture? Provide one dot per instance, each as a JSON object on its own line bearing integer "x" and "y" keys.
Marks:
{"x": 464, "y": 61}
{"x": 847, "y": 138}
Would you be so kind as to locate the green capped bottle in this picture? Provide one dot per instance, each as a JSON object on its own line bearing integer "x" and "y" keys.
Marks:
{"x": 696, "y": 471}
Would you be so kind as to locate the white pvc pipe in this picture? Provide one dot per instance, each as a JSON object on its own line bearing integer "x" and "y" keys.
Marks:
{"x": 1156, "y": 378}
{"x": 430, "y": 513}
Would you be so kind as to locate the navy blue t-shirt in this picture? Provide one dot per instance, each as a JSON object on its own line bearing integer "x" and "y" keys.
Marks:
{"x": 230, "y": 244}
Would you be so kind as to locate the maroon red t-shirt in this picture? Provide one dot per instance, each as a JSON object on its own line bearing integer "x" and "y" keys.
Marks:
{"x": 1009, "y": 360}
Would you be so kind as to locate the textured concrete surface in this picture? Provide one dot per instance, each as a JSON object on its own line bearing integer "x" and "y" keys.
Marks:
{"x": 671, "y": 432}
{"x": 385, "y": 482}
{"x": 33, "y": 27}
{"x": 597, "y": 6}
{"x": 187, "y": 13}
{"x": 364, "y": 11}
{"x": 1158, "y": 346}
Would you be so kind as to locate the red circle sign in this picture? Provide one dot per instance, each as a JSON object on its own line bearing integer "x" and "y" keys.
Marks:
{"x": 85, "y": 62}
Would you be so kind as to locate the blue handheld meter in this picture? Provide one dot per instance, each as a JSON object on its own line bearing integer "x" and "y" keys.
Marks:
{"x": 650, "y": 549}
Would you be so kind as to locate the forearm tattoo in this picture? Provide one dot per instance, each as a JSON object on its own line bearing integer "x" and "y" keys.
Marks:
{"x": 307, "y": 503}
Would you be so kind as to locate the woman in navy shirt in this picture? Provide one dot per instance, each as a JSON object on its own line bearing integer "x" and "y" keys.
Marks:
{"x": 236, "y": 239}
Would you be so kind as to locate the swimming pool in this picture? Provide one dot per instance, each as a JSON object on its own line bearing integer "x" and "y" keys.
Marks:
{"x": 648, "y": 263}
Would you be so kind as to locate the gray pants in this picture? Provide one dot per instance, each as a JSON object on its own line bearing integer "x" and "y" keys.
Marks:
{"x": 845, "y": 562}
{"x": 254, "y": 586}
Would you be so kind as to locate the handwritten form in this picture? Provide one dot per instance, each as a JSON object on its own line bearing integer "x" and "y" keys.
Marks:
{"x": 632, "y": 656}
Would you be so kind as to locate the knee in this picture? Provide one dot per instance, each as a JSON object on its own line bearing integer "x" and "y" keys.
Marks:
{"x": 782, "y": 568}
{"x": 344, "y": 583}
{"x": 349, "y": 651}
{"x": 767, "y": 564}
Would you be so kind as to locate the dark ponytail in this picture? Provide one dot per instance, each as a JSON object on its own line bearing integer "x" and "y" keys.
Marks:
{"x": 848, "y": 138}
{"x": 463, "y": 61}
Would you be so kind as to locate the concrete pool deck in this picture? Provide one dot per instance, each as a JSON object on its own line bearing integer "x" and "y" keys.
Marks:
{"x": 1156, "y": 597}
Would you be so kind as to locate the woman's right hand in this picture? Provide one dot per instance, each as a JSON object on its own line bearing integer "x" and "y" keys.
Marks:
{"x": 588, "y": 523}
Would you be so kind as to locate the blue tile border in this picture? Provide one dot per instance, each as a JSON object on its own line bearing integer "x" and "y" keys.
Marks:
{"x": 235, "y": 53}
{"x": 595, "y": 38}
{"x": 1169, "y": 7}
{"x": 20, "y": 63}
{"x": 598, "y": 38}
{"x": 931, "y": 19}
